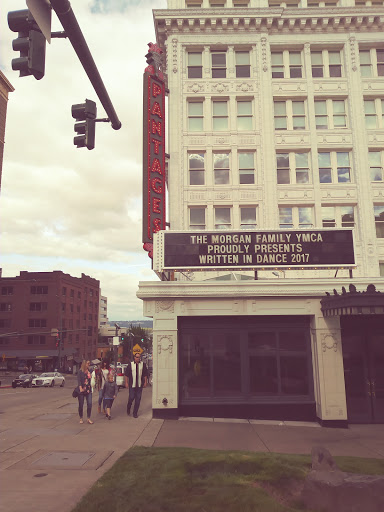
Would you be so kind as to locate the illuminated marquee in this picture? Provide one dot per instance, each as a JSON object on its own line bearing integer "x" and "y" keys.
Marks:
{"x": 213, "y": 250}
{"x": 153, "y": 150}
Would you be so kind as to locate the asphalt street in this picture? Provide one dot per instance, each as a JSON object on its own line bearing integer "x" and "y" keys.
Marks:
{"x": 48, "y": 460}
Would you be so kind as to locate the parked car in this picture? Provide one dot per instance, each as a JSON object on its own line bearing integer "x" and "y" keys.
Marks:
{"x": 24, "y": 380}
{"x": 49, "y": 379}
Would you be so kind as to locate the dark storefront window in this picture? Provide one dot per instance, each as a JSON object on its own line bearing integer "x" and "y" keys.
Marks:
{"x": 236, "y": 360}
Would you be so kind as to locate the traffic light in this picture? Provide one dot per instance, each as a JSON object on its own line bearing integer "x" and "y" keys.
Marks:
{"x": 30, "y": 43}
{"x": 57, "y": 341}
{"x": 122, "y": 337}
{"x": 86, "y": 113}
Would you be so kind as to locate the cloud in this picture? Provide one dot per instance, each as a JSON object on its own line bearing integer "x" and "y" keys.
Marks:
{"x": 72, "y": 209}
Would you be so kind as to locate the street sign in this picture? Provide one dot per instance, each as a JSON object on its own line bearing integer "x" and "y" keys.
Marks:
{"x": 116, "y": 340}
{"x": 41, "y": 11}
{"x": 137, "y": 349}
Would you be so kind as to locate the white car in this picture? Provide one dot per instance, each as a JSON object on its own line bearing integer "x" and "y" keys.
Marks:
{"x": 49, "y": 379}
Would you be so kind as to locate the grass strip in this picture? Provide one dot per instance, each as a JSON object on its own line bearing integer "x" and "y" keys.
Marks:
{"x": 190, "y": 480}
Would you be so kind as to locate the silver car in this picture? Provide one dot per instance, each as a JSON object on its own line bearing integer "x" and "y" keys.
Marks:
{"x": 49, "y": 380}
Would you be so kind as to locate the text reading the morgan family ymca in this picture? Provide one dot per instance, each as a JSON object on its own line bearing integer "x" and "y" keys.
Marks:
{"x": 259, "y": 249}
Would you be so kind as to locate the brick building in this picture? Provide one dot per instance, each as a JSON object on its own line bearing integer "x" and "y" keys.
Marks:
{"x": 48, "y": 319}
{"x": 5, "y": 88}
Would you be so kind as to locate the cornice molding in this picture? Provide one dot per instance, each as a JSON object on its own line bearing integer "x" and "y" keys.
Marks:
{"x": 171, "y": 21}
{"x": 273, "y": 288}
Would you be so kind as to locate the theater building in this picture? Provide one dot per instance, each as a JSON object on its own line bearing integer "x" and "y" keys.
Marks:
{"x": 275, "y": 129}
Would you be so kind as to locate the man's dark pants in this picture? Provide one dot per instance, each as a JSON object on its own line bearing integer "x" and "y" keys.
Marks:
{"x": 134, "y": 395}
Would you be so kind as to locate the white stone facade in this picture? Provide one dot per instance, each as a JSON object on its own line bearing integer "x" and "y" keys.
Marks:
{"x": 276, "y": 120}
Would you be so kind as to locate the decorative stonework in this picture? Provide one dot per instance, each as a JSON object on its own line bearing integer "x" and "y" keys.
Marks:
{"x": 329, "y": 342}
{"x": 174, "y": 55}
{"x": 352, "y": 43}
{"x": 195, "y": 87}
{"x": 220, "y": 87}
{"x": 264, "y": 53}
{"x": 165, "y": 305}
{"x": 164, "y": 343}
{"x": 244, "y": 87}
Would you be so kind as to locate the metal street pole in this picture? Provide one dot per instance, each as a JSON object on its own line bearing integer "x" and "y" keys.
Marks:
{"x": 69, "y": 22}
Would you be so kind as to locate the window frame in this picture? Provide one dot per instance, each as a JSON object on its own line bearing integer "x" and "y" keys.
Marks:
{"x": 227, "y": 224}
{"x": 331, "y": 113}
{"x": 293, "y": 168}
{"x": 195, "y": 116}
{"x": 246, "y": 169}
{"x": 380, "y": 166}
{"x": 218, "y": 70}
{"x": 220, "y": 116}
{"x": 295, "y": 217}
{"x": 217, "y": 171}
{"x": 243, "y": 67}
{"x": 193, "y": 171}
{"x": 247, "y": 116}
{"x": 375, "y": 65}
{"x": 379, "y": 223}
{"x": 191, "y": 67}
{"x": 197, "y": 226}
{"x": 326, "y": 64}
{"x": 247, "y": 225}
{"x": 289, "y": 114}
{"x": 334, "y": 167}
{"x": 338, "y": 214}
{"x": 284, "y": 69}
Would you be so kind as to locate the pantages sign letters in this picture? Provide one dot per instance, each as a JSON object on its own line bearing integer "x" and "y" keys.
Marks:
{"x": 323, "y": 248}
{"x": 153, "y": 148}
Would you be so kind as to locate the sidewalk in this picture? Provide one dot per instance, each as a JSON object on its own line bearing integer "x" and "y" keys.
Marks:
{"x": 38, "y": 447}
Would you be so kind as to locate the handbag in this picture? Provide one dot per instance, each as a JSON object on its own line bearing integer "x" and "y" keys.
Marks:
{"x": 76, "y": 392}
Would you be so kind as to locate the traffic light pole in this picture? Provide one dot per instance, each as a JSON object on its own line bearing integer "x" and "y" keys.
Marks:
{"x": 72, "y": 29}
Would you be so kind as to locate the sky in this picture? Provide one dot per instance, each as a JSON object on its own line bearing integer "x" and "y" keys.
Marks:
{"x": 70, "y": 209}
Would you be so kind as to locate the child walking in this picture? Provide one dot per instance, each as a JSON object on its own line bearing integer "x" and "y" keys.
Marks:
{"x": 109, "y": 394}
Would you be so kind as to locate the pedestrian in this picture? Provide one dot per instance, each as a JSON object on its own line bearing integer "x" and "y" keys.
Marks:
{"x": 110, "y": 391}
{"x": 136, "y": 377}
{"x": 101, "y": 378}
{"x": 84, "y": 382}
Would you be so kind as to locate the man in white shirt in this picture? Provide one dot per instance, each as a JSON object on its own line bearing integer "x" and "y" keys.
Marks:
{"x": 136, "y": 378}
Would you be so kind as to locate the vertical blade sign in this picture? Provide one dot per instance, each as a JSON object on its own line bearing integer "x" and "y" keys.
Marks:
{"x": 153, "y": 148}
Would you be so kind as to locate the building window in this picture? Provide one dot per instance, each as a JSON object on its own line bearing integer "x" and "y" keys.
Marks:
{"x": 37, "y": 322}
{"x": 248, "y": 217}
{"x": 5, "y": 322}
{"x": 220, "y": 116}
{"x": 38, "y": 306}
{"x": 196, "y": 168}
{"x": 222, "y": 218}
{"x": 295, "y": 217}
{"x": 195, "y": 116}
{"x": 36, "y": 339}
{"x": 217, "y": 3}
{"x": 64, "y": 291}
{"x": 334, "y": 167}
{"x": 379, "y": 220}
{"x": 246, "y": 168}
{"x": 317, "y": 3}
{"x": 372, "y": 62}
{"x": 193, "y": 4}
{"x": 5, "y": 306}
{"x": 326, "y": 64}
{"x": 243, "y": 67}
{"x": 289, "y": 115}
{"x": 197, "y": 218}
{"x": 292, "y": 168}
{"x": 219, "y": 67}
{"x": 244, "y": 115}
{"x": 374, "y": 113}
{"x": 286, "y": 64}
{"x": 195, "y": 65}
{"x": 376, "y": 159}
{"x": 338, "y": 216}
{"x": 39, "y": 290}
{"x": 72, "y": 293}
{"x": 7, "y": 290}
{"x": 221, "y": 168}
{"x": 330, "y": 114}
{"x": 381, "y": 268}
